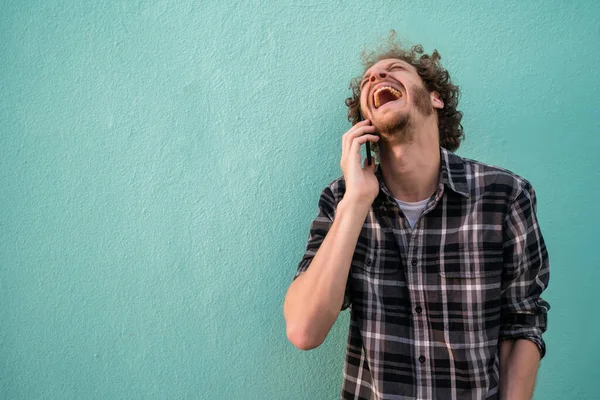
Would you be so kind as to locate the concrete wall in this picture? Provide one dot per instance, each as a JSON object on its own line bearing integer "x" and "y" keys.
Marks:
{"x": 160, "y": 163}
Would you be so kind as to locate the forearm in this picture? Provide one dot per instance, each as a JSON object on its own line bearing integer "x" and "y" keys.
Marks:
{"x": 519, "y": 362}
{"x": 315, "y": 298}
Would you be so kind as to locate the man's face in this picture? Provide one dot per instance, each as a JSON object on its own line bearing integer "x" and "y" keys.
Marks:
{"x": 393, "y": 97}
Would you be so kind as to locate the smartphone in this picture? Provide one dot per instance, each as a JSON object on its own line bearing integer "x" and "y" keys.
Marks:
{"x": 360, "y": 118}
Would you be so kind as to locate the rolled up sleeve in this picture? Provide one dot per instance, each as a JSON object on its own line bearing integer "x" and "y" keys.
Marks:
{"x": 318, "y": 230}
{"x": 526, "y": 273}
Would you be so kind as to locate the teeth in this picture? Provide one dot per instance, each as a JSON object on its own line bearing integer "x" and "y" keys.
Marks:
{"x": 391, "y": 89}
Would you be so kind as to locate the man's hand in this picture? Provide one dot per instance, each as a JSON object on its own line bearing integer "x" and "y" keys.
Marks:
{"x": 361, "y": 183}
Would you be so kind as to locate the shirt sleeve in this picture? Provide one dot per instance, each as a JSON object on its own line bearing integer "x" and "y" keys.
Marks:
{"x": 526, "y": 273}
{"x": 318, "y": 230}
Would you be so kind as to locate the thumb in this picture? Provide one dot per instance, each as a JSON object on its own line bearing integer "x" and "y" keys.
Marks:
{"x": 367, "y": 167}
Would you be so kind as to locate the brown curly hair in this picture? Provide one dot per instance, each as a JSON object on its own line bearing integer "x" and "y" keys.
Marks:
{"x": 435, "y": 78}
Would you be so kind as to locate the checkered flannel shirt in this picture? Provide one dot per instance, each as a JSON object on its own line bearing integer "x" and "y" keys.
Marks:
{"x": 428, "y": 305}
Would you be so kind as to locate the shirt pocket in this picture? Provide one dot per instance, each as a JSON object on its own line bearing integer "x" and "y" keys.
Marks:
{"x": 377, "y": 286}
{"x": 472, "y": 287}
{"x": 473, "y": 262}
{"x": 376, "y": 261}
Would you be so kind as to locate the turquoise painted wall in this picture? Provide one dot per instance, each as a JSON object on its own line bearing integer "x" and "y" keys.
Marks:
{"x": 160, "y": 163}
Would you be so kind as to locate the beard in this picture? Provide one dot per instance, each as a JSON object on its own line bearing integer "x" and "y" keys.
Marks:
{"x": 400, "y": 128}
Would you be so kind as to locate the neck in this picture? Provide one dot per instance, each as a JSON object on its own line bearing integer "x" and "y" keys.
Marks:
{"x": 411, "y": 170}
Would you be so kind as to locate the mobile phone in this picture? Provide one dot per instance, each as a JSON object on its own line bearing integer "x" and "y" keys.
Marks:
{"x": 360, "y": 118}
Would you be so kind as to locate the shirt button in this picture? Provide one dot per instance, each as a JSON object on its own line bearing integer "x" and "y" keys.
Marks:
{"x": 418, "y": 309}
{"x": 422, "y": 359}
{"x": 414, "y": 262}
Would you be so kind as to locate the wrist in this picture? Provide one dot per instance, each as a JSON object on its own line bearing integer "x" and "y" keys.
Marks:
{"x": 355, "y": 206}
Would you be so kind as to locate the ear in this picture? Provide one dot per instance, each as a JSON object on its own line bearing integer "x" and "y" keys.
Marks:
{"x": 436, "y": 100}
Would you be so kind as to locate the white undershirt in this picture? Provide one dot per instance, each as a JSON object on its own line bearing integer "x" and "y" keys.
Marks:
{"x": 412, "y": 210}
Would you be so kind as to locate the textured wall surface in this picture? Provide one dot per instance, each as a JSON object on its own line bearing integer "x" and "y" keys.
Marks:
{"x": 160, "y": 163}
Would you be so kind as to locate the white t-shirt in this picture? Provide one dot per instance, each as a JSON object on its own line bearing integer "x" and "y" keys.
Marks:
{"x": 412, "y": 210}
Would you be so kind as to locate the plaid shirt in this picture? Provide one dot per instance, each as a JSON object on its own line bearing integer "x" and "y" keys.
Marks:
{"x": 429, "y": 305}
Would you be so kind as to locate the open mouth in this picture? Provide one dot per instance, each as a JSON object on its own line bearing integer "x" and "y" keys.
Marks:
{"x": 385, "y": 94}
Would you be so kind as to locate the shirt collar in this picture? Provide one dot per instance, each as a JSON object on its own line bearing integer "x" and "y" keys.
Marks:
{"x": 452, "y": 175}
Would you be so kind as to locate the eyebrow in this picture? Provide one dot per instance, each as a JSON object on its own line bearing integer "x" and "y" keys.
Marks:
{"x": 386, "y": 67}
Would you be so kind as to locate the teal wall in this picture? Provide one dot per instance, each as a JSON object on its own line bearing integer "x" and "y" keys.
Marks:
{"x": 160, "y": 163}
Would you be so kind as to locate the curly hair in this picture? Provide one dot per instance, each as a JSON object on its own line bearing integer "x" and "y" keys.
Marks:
{"x": 435, "y": 78}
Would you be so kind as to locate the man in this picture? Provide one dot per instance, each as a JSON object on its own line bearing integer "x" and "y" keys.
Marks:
{"x": 440, "y": 257}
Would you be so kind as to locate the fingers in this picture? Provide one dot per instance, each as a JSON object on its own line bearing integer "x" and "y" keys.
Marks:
{"x": 354, "y": 128}
{"x": 357, "y": 130}
{"x": 366, "y": 164}
{"x": 358, "y": 141}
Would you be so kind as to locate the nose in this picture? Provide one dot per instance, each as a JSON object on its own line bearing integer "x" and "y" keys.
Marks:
{"x": 381, "y": 75}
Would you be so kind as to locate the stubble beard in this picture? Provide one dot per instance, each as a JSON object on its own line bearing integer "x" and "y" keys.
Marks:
{"x": 400, "y": 129}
